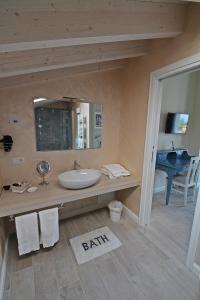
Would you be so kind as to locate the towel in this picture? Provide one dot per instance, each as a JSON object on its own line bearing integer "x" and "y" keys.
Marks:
{"x": 49, "y": 227}
{"x": 115, "y": 171}
{"x": 107, "y": 173}
{"x": 27, "y": 233}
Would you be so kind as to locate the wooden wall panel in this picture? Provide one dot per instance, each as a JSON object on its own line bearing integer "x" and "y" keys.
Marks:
{"x": 17, "y": 102}
{"x": 136, "y": 92}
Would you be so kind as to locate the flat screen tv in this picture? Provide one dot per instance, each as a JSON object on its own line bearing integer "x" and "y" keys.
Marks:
{"x": 176, "y": 123}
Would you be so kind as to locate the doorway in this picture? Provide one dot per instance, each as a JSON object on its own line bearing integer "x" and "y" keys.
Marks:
{"x": 151, "y": 145}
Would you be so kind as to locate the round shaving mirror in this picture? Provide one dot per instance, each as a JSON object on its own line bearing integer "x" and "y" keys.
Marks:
{"x": 43, "y": 168}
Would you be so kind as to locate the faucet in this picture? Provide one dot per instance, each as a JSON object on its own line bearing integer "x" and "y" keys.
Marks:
{"x": 173, "y": 146}
{"x": 76, "y": 165}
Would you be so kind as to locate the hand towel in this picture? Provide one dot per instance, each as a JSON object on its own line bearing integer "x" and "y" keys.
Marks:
{"x": 49, "y": 227}
{"x": 27, "y": 233}
{"x": 115, "y": 170}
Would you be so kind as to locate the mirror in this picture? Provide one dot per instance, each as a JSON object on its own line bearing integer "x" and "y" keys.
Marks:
{"x": 67, "y": 124}
{"x": 43, "y": 168}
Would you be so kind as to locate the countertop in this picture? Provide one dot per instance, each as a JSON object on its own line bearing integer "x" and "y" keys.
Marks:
{"x": 53, "y": 195}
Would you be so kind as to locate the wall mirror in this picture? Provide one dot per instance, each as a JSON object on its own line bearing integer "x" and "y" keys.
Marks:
{"x": 66, "y": 124}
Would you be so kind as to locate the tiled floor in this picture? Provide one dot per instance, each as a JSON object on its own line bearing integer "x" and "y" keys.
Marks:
{"x": 148, "y": 265}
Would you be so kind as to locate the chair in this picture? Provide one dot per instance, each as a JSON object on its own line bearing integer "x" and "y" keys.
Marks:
{"x": 196, "y": 189}
{"x": 189, "y": 180}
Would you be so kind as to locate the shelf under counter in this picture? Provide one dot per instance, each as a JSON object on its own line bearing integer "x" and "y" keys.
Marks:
{"x": 53, "y": 195}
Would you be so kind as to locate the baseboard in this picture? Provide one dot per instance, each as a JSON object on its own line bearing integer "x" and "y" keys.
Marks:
{"x": 130, "y": 214}
{"x": 159, "y": 189}
{"x": 3, "y": 270}
{"x": 196, "y": 269}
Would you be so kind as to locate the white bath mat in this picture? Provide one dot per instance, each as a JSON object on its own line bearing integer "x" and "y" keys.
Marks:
{"x": 93, "y": 244}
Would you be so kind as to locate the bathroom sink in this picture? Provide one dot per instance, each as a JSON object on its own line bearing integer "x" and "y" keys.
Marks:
{"x": 78, "y": 179}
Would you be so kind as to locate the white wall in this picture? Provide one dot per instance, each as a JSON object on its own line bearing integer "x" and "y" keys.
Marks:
{"x": 192, "y": 140}
{"x": 180, "y": 94}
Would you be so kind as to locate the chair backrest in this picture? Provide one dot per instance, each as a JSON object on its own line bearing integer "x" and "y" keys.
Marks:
{"x": 193, "y": 170}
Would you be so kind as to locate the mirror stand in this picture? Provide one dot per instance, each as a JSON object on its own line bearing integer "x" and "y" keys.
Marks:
{"x": 43, "y": 182}
{"x": 43, "y": 168}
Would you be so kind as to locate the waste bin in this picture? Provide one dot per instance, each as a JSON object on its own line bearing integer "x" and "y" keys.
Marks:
{"x": 115, "y": 210}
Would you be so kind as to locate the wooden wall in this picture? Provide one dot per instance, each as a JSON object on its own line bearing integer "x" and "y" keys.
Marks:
{"x": 17, "y": 102}
{"x": 136, "y": 78}
{"x": 136, "y": 92}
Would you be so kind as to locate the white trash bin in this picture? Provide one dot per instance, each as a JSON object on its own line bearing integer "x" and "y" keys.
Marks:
{"x": 115, "y": 210}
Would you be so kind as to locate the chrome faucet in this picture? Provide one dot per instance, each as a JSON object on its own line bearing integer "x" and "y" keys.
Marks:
{"x": 173, "y": 148}
{"x": 76, "y": 165}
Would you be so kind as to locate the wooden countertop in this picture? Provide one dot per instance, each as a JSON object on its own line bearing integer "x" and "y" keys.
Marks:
{"x": 53, "y": 194}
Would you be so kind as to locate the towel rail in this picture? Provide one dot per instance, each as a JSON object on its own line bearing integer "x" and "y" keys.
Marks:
{"x": 12, "y": 217}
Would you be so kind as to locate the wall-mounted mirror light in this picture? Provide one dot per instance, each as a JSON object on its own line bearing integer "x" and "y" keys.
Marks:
{"x": 66, "y": 124}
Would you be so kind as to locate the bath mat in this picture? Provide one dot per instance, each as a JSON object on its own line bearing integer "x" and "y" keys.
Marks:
{"x": 93, "y": 244}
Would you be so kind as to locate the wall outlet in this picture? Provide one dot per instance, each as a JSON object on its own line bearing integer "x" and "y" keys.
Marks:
{"x": 18, "y": 160}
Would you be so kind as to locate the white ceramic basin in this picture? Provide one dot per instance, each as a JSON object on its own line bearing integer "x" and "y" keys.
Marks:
{"x": 79, "y": 179}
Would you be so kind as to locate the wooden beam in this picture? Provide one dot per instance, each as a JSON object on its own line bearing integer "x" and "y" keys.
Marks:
{"x": 167, "y": 1}
{"x": 42, "y": 24}
{"x": 26, "y": 62}
{"x": 36, "y": 45}
{"x": 21, "y": 80}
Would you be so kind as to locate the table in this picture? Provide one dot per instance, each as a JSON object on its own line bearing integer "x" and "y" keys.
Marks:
{"x": 172, "y": 162}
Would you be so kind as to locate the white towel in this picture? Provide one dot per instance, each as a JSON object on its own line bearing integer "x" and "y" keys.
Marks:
{"x": 27, "y": 233}
{"x": 115, "y": 171}
{"x": 49, "y": 227}
{"x": 107, "y": 173}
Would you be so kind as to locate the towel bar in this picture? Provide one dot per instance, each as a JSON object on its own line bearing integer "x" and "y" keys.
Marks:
{"x": 12, "y": 217}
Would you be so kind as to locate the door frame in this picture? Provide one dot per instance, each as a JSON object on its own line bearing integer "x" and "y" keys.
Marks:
{"x": 151, "y": 142}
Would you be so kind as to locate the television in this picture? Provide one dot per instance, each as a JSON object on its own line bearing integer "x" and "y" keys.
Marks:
{"x": 176, "y": 123}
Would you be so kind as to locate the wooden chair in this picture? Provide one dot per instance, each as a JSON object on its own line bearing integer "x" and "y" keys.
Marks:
{"x": 189, "y": 180}
{"x": 196, "y": 189}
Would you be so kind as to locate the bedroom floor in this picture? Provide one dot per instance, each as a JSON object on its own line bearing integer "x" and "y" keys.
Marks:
{"x": 174, "y": 222}
{"x": 148, "y": 265}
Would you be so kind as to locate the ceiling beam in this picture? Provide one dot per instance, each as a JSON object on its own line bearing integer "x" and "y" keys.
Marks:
{"x": 32, "y": 61}
{"x": 47, "y": 76}
{"x": 37, "y": 24}
{"x": 36, "y": 45}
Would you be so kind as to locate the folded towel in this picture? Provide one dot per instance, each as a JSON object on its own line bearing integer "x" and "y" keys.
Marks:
{"x": 115, "y": 171}
{"x": 27, "y": 233}
{"x": 49, "y": 227}
{"x": 107, "y": 173}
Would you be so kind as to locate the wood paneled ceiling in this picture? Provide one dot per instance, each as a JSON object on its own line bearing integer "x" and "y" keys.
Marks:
{"x": 40, "y": 36}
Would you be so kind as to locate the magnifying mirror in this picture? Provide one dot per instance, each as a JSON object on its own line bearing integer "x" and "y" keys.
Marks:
{"x": 43, "y": 168}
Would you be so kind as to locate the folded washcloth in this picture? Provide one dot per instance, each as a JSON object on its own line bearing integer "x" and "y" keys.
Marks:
{"x": 107, "y": 173}
{"x": 114, "y": 171}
